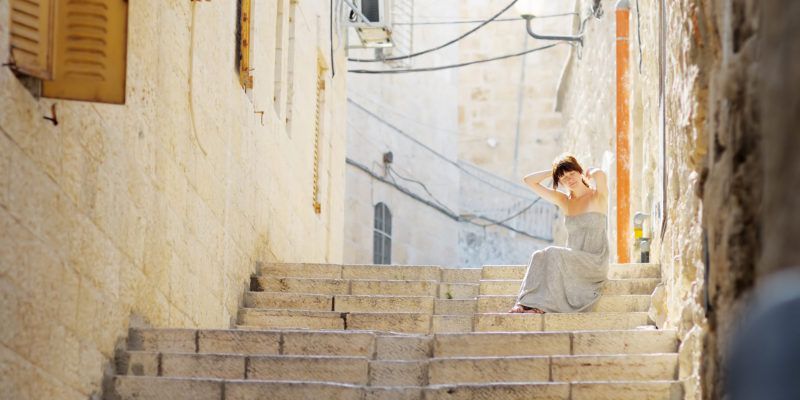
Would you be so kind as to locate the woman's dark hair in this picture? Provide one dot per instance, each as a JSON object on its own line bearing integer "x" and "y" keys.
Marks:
{"x": 566, "y": 163}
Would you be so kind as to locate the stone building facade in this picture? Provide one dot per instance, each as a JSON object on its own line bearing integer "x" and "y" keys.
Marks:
{"x": 420, "y": 119}
{"x": 154, "y": 212}
{"x": 713, "y": 167}
{"x": 506, "y": 109}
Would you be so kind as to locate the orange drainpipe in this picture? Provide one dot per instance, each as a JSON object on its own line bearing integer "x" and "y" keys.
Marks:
{"x": 623, "y": 132}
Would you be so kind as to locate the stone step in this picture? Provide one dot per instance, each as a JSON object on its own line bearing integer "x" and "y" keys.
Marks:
{"x": 289, "y": 301}
{"x": 422, "y": 323}
{"x": 491, "y": 344}
{"x": 461, "y": 275}
{"x": 559, "y": 322}
{"x": 637, "y": 367}
{"x": 330, "y": 287}
{"x": 456, "y": 291}
{"x": 510, "y": 287}
{"x": 455, "y": 306}
{"x": 449, "y": 370}
{"x": 607, "y": 303}
{"x": 395, "y": 347}
{"x": 288, "y": 319}
{"x": 615, "y": 271}
{"x": 372, "y": 272}
{"x": 394, "y": 287}
{"x": 160, "y": 388}
{"x": 375, "y": 303}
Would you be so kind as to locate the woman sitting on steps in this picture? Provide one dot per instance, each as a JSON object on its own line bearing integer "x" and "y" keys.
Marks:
{"x": 568, "y": 279}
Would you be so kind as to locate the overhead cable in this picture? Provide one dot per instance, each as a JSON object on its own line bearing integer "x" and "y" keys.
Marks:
{"x": 436, "y": 153}
{"x": 419, "y": 53}
{"x": 439, "y": 68}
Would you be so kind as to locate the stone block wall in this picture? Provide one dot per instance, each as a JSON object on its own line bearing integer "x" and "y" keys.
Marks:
{"x": 156, "y": 211}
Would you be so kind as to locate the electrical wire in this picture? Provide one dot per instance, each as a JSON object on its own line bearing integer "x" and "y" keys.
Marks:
{"x": 477, "y": 21}
{"x": 419, "y": 53}
{"x": 436, "y": 153}
{"x": 425, "y": 188}
{"x": 388, "y": 109}
{"x": 437, "y": 207}
{"x": 431, "y": 69}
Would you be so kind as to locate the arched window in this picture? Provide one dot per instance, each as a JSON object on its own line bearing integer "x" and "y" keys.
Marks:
{"x": 382, "y": 235}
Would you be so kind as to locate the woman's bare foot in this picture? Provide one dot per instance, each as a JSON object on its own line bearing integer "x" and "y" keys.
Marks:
{"x": 520, "y": 309}
{"x": 517, "y": 309}
{"x": 533, "y": 310}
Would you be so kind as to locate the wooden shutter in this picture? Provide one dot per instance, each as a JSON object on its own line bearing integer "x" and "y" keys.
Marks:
{"x": 31, "y": 37}
{"x": 90, "y": 51}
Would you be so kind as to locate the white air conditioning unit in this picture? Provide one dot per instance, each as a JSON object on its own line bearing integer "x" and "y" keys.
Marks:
{"x": 376, "y": 31}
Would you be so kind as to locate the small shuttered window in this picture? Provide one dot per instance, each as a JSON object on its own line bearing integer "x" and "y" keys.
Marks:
{"x": 382, "y": 235}
{"x": 32, "y": 37}
{"x": 77, "y": 47}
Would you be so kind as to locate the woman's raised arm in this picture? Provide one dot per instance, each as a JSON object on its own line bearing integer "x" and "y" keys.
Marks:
{"x": 534, "y": 181}
{"x": 600, "y": 179}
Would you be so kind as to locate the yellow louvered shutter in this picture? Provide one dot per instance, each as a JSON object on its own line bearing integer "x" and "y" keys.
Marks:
{"x": 90, "y": 51}
{"x": 31, "y": 37}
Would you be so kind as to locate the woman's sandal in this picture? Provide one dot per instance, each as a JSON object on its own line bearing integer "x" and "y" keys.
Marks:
{"x": 520, "y": 309}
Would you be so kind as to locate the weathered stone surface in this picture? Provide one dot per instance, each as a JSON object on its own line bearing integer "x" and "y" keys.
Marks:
{"x": 374, "y": 303}
{"x": 627, "y": 391}
{"x": 329, "y": 343}
{"x": 176, "y": 340}
{"x": 503, "y": 287}
{"x": 508, "y": 322}
{"x": 293, "y": 301}
{"x": 393, "y": 393}
{"x": 632, "y": 367}
{"x": 393, "y": 287}
{"x": 153, "y": 388}
{"x": 138, "y": 363}
{"x": 280, "y": 319}
{"x": 593, "y": 321}
{"x": 458, "y": 290}
{"x": 391, "y": 272}
{"x": 244, "y": 390}
{"x": 488, "y": 370}
{"x": 461, "y": 275}
{"x": 508, "y": 287}
{"x": 203, "y": 366}
{"x": 238, "y": 342}
{"x": 302, "y": 270}
{"x": 304, "y": 285}
{"x": 624, "y": 342}
{"x": 353, "y": 370}
{"x": 454, "y": 306}
{"x": 507, "y": 391}
{"x": 644, "y": 286}
{"x": 403, "y": 347}
{"x": 390, "y": 322}
{"x": 452, "y": 323}
{"x": 500, "y": 344}
{"x": 398, "y": 373}
{"x": 606, "y": 303}
{"x": 495, "y": 272}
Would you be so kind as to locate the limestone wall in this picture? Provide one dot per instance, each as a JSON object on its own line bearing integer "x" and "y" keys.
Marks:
{"x": 590, "y": 107}
{"x": 157, "y": 210}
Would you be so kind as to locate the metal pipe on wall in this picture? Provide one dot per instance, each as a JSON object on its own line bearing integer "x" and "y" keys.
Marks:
{"x": 623, "y": 131}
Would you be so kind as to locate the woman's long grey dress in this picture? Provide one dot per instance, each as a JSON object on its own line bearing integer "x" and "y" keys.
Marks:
{"x": 568, "y": 279}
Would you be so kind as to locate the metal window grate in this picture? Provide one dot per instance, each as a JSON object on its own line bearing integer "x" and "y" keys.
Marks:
{"x": 382, "y": 235}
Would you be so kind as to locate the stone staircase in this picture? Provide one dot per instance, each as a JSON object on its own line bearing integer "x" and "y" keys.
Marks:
{"x": 311, "y": 331}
